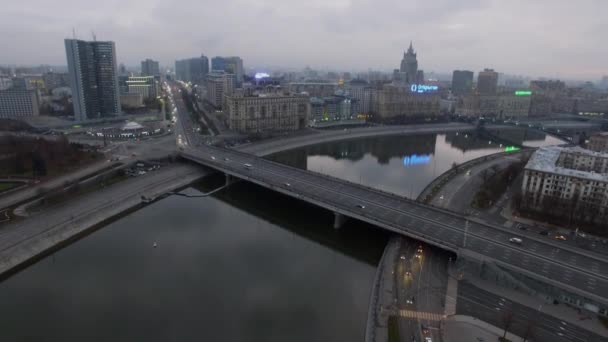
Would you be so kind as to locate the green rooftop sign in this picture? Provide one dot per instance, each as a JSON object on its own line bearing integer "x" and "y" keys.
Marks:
{"x": 523, "y": 93}
{"x": 512, "y": 148}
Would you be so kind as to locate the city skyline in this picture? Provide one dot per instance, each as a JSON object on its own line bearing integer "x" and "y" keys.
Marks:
{"x": 470, "y": 35}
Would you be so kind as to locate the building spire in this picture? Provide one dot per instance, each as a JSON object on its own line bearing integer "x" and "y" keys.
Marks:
{"x": 411, "y": 48}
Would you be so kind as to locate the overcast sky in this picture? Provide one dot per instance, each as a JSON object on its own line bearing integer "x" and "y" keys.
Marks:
{"x": 553, "y": 38}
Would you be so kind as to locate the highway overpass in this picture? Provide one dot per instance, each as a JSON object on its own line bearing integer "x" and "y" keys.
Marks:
{"x": 580, "y": 273}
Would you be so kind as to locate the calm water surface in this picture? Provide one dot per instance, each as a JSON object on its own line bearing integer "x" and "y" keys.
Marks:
{"x": 249, "y": 265}
{"x": 403, "y": 165}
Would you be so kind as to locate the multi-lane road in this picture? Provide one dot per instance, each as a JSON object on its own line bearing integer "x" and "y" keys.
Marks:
{"x": 420, "y": 278}
{"x": 523, "y": 321}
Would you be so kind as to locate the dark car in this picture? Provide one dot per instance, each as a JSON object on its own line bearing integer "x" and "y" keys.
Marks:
{"x": 544, "y": 232}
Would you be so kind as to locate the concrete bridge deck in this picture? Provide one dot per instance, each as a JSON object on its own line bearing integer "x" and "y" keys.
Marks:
{"x": 579, "y": 272}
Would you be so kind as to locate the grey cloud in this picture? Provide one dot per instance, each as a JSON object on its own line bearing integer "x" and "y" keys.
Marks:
{"x": 542, "y": 37}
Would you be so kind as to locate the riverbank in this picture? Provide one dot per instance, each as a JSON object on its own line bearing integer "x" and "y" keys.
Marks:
{"x": 25, "y": 241}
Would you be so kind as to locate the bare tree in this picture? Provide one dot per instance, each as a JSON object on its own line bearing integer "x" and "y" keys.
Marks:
{"x": 529, "y": 332}
{"x": 507, "y": 321}
{"x": 485, "y": 175}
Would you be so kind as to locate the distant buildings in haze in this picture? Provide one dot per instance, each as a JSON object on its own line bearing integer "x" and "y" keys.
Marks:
{"x": 150, "y": 67}
{"x": 487, "y": 82}
{"x": 462, "y": 82}
{"x": 193, "y": 70}
{"x": 231, "y": 65}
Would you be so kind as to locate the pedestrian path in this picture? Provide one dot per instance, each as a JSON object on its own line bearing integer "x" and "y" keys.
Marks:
{"x": 429, "y": 316}
{"x": 451, "y": 295}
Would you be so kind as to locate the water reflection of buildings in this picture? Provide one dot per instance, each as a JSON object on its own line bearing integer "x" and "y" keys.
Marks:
{"x": 382, "y": 148}
{"x": 473, "y": 141}
{"x": 519, "y": 136}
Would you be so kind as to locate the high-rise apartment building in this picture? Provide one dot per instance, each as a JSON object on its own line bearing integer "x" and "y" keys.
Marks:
{"x": 487, "y": 82}
{"x": 230, "y": 65}
{"x": 93, "y": 78}
{"x": 150, "y": 67}
{"x": 462, "y": 82}
{"x": 193, "y": 70}
{"x": 219, "y": 85}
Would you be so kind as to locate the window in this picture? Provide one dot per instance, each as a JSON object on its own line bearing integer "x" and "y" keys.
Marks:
{"x": 251, "y": 112}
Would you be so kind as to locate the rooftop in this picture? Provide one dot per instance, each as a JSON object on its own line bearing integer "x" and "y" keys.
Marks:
{"x": 545, "y": 160}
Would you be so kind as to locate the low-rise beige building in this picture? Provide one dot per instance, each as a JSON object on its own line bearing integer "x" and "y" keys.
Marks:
{"x": 267, "y": 112}
{"x": 505, "y": 106}
{"x": 395, "y": 102}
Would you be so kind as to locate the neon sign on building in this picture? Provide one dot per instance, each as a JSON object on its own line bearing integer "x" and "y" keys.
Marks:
{"x": 423, "y": 88}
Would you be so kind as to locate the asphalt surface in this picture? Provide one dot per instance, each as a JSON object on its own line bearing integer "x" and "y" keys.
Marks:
{"x": 458, "y": 193}
{"x": 538, "y": 326}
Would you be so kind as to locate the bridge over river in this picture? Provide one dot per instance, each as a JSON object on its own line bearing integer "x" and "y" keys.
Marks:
{"x": 574, "y": 271}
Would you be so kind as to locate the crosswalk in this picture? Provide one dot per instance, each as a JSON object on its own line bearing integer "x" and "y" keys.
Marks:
{"x": 429, "y": 316}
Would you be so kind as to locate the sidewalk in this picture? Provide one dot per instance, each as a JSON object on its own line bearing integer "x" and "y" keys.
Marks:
{"x": 383, "y": 294}
{"x": 563, "y": 312}
{"x": 459, "y": 328}
{"x": 20, "y": 196}
{"x": 451, "y": 296}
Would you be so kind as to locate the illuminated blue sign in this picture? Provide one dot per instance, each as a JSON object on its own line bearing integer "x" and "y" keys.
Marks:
{"x": 423, "y": 88}
{"x": 415, "y": 159}
{"x": 261, "y": 75}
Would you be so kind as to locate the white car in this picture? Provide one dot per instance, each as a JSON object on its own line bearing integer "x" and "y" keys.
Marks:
{"x": 515, "y": 240}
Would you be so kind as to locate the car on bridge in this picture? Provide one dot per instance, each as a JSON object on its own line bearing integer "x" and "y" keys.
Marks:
{"x": 247, "y": 166}
{"x": 516, "y": 240}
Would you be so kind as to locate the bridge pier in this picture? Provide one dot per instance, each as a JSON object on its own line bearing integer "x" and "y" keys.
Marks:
{"x": 339, "y": 220}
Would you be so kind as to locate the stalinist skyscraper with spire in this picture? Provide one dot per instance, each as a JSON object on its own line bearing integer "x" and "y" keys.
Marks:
{"x": 409, "y": 66}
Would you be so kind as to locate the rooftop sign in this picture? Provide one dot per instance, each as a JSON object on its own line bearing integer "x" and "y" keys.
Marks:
{"x": 261, "y": 75}
{"x": 423, "y": 88}
{"x": 523, "y": 93}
